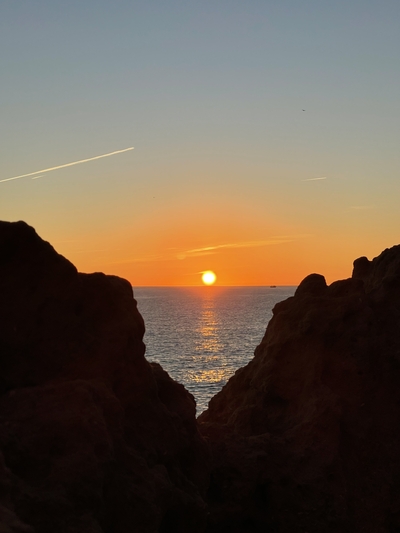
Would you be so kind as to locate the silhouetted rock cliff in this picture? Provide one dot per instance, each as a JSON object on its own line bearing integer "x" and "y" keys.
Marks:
{"x": 93, "y": 438}
{"x": 306, "y": 437}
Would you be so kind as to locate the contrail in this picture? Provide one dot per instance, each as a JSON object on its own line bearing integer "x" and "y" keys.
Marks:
{"x": 316, "y": 179}
{"x": 67, "y": 165}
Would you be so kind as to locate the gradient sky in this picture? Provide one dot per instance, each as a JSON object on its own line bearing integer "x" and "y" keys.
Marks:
{"x": 211, "y": 95}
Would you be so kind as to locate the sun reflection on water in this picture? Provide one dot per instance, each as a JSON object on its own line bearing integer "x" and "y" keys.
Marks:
{"x": 202, "y": 335}
{"x": 209, "y": 349}
{"x": 209, "y": 376}
{"x": 208, "y": 328}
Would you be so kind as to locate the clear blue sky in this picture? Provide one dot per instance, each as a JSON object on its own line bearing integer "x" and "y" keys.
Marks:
{"x": 211, "y": 95}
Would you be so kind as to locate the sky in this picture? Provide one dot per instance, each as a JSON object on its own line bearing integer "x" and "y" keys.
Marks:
{"x": 266, "y": 135}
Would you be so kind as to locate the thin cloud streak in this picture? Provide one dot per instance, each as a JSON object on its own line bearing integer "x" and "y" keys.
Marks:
{"x": 246, "y": 244}
{"x": 209, "y": 250}
{"x": 316, "y": 179}
{"x": 67, "y": 165}
{"x": 90, "y": 251}
{"x": 362, "y": 207}
{"x": 144, "y": 259}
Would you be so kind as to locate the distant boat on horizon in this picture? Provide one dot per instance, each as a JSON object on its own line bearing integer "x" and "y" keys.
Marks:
{"x": 272, "y": 286}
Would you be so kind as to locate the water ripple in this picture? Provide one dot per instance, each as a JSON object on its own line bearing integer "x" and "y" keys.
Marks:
{"x": 202, "y": 335}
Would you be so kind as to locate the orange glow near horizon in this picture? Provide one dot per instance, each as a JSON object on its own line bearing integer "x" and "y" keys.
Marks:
{"x": 238, "y": 262}
{"x": 257, "y": 250}
{"x": 281, "y": 264}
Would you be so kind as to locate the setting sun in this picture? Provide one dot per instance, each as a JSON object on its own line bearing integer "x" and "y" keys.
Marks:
{"x": 208, "y": 277}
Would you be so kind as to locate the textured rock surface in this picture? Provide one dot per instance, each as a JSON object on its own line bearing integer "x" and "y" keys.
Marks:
{"x": 92, "y": 437}
{"x": 306, "y": 437}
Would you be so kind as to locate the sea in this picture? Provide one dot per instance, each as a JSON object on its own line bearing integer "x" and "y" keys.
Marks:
{"x": 202, "y": 335}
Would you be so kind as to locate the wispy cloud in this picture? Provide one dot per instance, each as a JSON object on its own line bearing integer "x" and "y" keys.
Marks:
{"x": 66, "y": 165}
{"x": 144, "y": 259}
{"x": 208, "y": 250}
{"x": 91, "y": 251}
{"x": 316, "y": 179}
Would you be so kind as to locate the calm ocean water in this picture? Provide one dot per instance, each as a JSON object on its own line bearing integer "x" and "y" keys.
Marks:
{"x": 201, "y": 335}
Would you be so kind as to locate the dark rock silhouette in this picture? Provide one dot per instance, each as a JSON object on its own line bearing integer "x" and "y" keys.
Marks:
{"x": 306, "y": 437}
{"x": 93, "y": 438}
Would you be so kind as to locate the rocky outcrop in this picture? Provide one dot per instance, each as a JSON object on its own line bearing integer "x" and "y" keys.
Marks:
{"x": 306, "y": 437}
{"x": 93, "y": 438}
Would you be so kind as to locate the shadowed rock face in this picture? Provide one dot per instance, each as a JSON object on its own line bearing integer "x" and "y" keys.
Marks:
{"x": 306, "y": 437}
{"x": 93, "y": 438}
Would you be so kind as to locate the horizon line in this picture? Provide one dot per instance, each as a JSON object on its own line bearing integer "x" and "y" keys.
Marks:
{"x": 268, "y": 286}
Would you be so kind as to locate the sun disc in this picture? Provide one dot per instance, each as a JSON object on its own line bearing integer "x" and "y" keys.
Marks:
{"x": 208, "y": 277}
